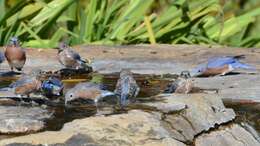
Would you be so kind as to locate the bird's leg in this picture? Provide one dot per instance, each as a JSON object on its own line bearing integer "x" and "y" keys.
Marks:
{"x": 96, "y": 104}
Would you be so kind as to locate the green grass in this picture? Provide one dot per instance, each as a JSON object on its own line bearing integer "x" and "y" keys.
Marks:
{"x": 43, "y": 23}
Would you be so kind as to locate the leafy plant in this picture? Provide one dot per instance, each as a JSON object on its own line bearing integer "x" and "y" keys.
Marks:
{"x": 43, "y": 23}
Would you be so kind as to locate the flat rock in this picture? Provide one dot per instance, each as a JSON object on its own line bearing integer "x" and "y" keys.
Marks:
{"x": 202, "y": 113}
{"x": 20, "y": 119}
{"x": 243, "y": 87}
{"x": 134, "y": 128}
{"x": 233, "y": 135}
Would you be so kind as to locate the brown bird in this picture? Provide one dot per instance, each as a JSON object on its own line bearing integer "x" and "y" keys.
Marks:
{"x": 183, "y": 84}
{"x": 69, "y": 58}
{"x": 88, "y": 91}
{"x": 27, "y": 84}
{"x": 126, "y": 87}
{"x": 15, "y": 54}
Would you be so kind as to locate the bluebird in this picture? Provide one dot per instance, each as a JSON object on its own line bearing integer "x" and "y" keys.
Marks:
{"x": 126, "y": 87}
{"x": 27, "y": 84}
{"x": 69, "y": 58}
{"x": 88, "y": 91}
{"x": 2, "y": 57}
{"x": 15, "y": 54}
{"x": 221, "y": 66}
{"x": 52, "y": 87}
{"x": 183, "y": 84}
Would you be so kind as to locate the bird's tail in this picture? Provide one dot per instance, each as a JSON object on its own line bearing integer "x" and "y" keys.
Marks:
{"x": 84, "y": 65}
{"x": 239, "y": 65}
{"x": 6, "y": 89}
{"x": 239, "y": 57}
{"x": 104, "y": 93}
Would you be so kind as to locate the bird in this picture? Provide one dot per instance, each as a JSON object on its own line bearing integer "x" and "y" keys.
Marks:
{"x": 2, "y": 57}
{"x": 89, "y": 91}
{"x": 52, "y": 87}
{"x": 183, "y": 84}
{"x": 15, "y": 54}
{"x": 27, "y": 84}
{"x": 220, "y": 66}
{"x": 70, "y": 58}
{"x": 126, "y": 87}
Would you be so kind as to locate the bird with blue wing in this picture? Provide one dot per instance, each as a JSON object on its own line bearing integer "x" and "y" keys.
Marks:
{"x": 70, "y": 58}
{"x": 126, "y": 87}
{"x": 27, "y": 84}
{"x": 52, "y": 87}
{"x": 221, "y": 66}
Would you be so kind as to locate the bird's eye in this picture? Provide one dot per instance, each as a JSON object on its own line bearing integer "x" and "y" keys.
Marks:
{"x": 71, "y": 95}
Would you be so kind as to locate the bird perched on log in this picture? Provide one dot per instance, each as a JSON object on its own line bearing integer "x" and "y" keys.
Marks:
{"x": 221, "y": 66}
{"x": 2, "y": 57}
{"x": 52, "y": 87}
{"x": 88, "y": 91}
{"x": 183, "y": 84}
{"x": 126, "y": 87}
{"x": 15, "y": 54}
{"x": 27, "y": 84}
{"x": 69, "y": 58}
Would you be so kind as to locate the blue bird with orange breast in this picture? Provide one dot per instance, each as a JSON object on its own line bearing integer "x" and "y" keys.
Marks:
{"x": 221, "y": 66}
{"x": 15, "y": 54}
{"x": 27, "y": 84}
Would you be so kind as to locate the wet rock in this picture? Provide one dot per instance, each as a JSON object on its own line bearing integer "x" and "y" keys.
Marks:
{"x": 167, "y": 107}
{"x": 233, "y": 135}
{"x": 134, "y": 128}
{"x": 6, "y": 101}
{"x": 202, "y": 112}
{"x": 20, "y": 119}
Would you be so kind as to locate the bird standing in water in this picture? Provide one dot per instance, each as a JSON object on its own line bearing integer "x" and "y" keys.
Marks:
{"x": 69, "y": 58}
{"x": 183, "y": 84}
{"x": 126, "y": 87}
{"x": 27, "y": 84}
{"x": 89, "y": 91}
{"x": 15, "y": 54}
{"x": 221, "y": 66}
{"x": 52, "y": 87}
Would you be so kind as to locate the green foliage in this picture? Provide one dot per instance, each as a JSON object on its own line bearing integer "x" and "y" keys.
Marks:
{"x": 43, "y": 23}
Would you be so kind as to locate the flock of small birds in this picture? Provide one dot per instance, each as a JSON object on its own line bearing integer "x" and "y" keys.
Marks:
{"x": 126, "y": 89}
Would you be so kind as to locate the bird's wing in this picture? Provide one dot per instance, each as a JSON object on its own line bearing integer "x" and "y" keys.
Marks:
{"x": 125, "y": 86}
{"x": 75, "y": 55}
{"x": 220, "y": 62}
{"x": 118, "y": 87}
{"x": 237, "y": 65}
{"x": 56, "y": 82}
{"x": 21, "y": 81}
